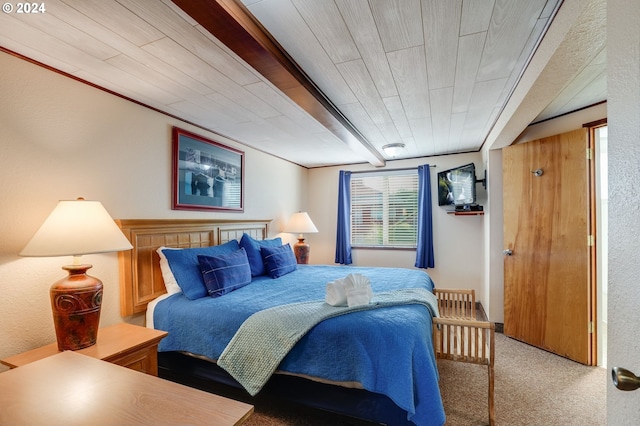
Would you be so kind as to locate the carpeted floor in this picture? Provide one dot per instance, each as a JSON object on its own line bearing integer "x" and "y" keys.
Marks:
{"x": 532, "y": 387}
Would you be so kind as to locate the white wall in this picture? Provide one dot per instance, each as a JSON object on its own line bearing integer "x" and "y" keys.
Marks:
{"x": 623, "y": 85}
{"x": 493, "y": 242}
{"x": 458, "y": 240}
{"x": 60, "y": 139}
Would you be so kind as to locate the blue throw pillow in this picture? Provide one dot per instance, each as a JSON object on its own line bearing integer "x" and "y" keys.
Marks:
{"x": 252, "y": 246}
{"x": 278, "y": 261}
{"x": 225, "y": 273}
{"x": 184, "y": 266}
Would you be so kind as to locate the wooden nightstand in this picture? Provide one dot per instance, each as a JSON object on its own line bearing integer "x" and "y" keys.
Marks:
{"x": 123, "y": 344}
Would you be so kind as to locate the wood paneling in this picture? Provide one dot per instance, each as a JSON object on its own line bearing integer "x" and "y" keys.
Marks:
{"x": 336, "y": 80}
{"x": 233, "y": 26}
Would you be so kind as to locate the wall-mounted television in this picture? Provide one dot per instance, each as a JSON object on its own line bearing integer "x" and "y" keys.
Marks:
{"x": 457, "y": 186}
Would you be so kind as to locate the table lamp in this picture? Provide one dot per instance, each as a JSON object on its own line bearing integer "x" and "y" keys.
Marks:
{"x": 75, "y": 228}
{"x": 300, "y": 223}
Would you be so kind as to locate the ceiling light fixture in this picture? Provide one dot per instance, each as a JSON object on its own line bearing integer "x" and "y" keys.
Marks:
{"x": 393, "y": 149}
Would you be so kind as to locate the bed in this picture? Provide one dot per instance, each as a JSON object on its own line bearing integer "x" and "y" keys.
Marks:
{"x": 375, "y": 364}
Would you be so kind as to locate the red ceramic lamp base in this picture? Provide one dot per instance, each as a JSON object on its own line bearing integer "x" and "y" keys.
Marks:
{"x": 301, "y": 250}
{"x": 76, "y": 301}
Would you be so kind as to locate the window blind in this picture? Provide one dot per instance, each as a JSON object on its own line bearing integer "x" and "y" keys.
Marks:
{"x": 384, "y": 209}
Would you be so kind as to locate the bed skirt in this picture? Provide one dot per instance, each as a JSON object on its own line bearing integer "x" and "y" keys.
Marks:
{"x": 351, "y": 402}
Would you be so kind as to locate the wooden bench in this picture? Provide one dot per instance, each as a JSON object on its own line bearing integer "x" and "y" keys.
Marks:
{"x": 456, "y": 303}
{"x": 459, "y": 336}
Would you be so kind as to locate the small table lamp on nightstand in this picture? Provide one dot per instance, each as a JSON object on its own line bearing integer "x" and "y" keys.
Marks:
{"x": 300, "y": 223}
{"x": 75, "y": 228}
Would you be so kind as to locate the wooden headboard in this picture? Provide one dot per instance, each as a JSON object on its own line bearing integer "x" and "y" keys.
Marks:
{"x": 140, "y": 275}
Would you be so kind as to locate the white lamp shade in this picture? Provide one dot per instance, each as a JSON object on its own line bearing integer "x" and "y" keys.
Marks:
{"x": 300, "y": 223}
{"x": 75, "y": 228}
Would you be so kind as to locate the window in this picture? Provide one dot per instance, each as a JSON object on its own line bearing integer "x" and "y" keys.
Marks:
{"x": 384, "y": 209}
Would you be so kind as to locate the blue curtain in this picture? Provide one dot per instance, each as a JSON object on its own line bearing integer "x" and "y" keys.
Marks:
{"x": 343, "y": 235}
{"x": 424, "y": 250}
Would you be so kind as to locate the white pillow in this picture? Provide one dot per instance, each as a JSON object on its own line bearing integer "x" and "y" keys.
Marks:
{"x": 170, "y": 282}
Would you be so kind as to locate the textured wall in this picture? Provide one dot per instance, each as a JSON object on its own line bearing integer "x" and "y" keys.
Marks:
{"x": 623, "y": 84}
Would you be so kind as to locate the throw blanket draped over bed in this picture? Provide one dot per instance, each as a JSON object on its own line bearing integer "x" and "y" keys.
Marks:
{"x": 387, "y": 350}
{"x": 266, "y": 337}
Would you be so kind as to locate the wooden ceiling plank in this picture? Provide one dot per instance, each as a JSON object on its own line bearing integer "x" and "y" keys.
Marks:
{"x": 283, "y": 104}
{"x": 174, "y": 76}
{"x": 410, "y": 73}
{"x": 485, "y": 103}
{"x": 231, "y": 23}
{"x": 476, "y": 16}
{"x": 136, "y": 68}
{"x": 590, "y": 83}
{"x": 423, "y": 135}
{"x": 389, "y": 132}
{"x": 357, "y": 76}
{"x": 356, "y": 113}
{"x": 19, "y": 37}
{"x": 397, "y": 113}
{"x": 303, "y": 47}
{"x": 52, "y": 47}
{"x": 112, "y": 37}
{"x": 288, "y": 126}
{"x": 191, "y": 39}
{"x": 399, "y": 23}
{"x": 457, "y": 125}
{"x": 212, "y": 118}
{"x": 325, "y": 22}
{"x": 522, "y": 61}
{"x": 441, "y": 20}
{"x": 56, "y": 23}
{"x": 140, "y": 88}
{"x": 181, "y": 13}
{"x": 441, "y": 100}
{"x": 510, "y": 29}
{"x": 238, "y": 112}
{"x": 469, "y": 55}
{"x": 117, "y": 85}
{"x": 168, "y": 50}
{"x": 360, "y": 22}
{"x": 112, "y": 14}
{"x": 597, "y": 90}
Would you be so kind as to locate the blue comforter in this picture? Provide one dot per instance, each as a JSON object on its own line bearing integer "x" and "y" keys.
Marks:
{"x": 387, "y": 350}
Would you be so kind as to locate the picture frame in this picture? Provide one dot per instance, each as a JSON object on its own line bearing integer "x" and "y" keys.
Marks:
{"x": 206, "y": 175}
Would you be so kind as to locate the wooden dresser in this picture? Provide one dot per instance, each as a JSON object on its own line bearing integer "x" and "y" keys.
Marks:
{"x": 73, "y": 389}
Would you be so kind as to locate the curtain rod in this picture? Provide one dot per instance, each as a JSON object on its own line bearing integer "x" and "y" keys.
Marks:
{"x": 390, "y": 170}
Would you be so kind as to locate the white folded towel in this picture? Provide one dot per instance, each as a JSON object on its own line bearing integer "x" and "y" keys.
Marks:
{"x": 358, "y": 296}
{"x": 336, "y": 293}
{"x": 358, "y": 289}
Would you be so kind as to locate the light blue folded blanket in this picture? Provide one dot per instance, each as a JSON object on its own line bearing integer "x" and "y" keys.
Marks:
{"x": 266, "y": 337}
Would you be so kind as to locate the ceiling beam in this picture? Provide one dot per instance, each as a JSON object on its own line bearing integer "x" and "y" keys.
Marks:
{"x": 232, "y": 24}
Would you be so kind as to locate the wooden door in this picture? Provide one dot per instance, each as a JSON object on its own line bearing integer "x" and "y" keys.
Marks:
{"x": 547, "y": 289}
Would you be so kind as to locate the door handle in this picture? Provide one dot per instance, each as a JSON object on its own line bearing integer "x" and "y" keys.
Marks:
{"x": 624, "y": 379}
{"x": 507, "y": 252}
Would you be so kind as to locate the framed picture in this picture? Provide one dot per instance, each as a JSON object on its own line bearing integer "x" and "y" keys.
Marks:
{"x": 206, "y": 174}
